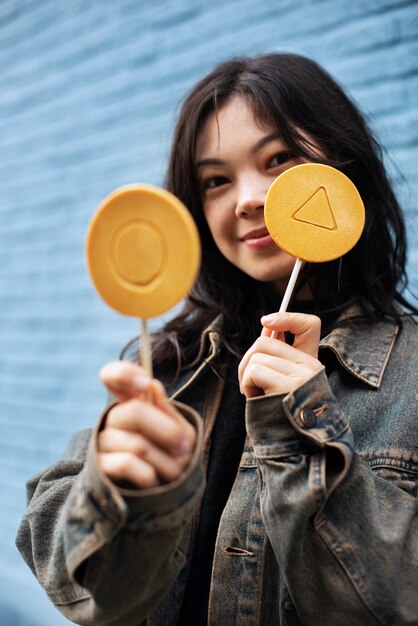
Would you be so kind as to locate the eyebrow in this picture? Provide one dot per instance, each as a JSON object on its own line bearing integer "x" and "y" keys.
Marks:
{"x": 206, "y": 162}
{"x": 265, "y": 140}
{"x": 255, "y": 148}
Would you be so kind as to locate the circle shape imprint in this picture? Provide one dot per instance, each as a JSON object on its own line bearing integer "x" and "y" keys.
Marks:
{"x": 143, "y": 250}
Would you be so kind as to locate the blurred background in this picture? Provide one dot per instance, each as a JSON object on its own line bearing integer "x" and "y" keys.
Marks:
{"x": 89, "y": 91}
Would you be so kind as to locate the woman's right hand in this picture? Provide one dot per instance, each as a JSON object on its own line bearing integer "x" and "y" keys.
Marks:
{"x": 143, "y": 444}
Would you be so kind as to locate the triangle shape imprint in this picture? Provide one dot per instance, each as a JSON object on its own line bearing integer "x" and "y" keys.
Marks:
{"x": 317, "y": 211}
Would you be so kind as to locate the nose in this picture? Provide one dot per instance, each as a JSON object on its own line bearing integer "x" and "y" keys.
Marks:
{"x": 250, "y": 198}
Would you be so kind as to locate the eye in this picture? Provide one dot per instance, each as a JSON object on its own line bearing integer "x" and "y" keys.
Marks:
{"x": 280, "y": 159}
{"x": 213, "y": 182}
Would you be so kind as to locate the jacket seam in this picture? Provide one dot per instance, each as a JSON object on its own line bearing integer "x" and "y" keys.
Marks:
{"x": 326, "y": 531}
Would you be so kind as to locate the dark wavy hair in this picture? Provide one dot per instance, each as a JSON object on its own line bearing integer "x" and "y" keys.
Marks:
{"x": 287, "y": 92}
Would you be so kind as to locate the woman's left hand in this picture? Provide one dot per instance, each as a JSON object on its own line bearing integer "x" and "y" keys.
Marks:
{"x": 271, "y": 365}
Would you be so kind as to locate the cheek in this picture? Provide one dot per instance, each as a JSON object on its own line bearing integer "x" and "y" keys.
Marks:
{"x": 215, "y": 222}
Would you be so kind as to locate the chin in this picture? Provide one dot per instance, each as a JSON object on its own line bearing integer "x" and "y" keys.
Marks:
{"x": 274, "y": 282}
{"x": 272, "y": 276}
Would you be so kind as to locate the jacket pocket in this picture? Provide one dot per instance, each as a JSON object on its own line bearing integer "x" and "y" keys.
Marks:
{"x": 399, "y": 468}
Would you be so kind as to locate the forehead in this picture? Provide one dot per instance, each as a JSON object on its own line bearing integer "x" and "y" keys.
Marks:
{"x": 233, "y": 121}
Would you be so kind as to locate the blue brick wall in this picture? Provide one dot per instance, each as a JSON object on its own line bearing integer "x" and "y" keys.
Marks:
{"x": 88, "y": 95}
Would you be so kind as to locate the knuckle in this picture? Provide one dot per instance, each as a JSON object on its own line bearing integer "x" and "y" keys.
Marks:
{"x": 149, "y": 476}
{"x": 315, "y": 320}
{"x": 252, "y": 368}
{"x": 248, "y": 376}
{"x": 259, "y": 343}
{"x": 255, "y": 360}
{"x": 127, "y": 464}
{"x": 318, "y": 324}
{"x": 141, "y": 448}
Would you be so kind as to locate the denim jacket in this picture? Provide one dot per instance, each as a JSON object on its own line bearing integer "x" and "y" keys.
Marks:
{"x": 321, "y": 526}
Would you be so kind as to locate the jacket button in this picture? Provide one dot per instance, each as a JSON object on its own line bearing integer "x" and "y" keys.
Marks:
{"x": 308, "y": 418}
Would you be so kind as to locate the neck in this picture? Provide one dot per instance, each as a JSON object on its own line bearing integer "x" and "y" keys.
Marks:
{"x": 277, "y": 289}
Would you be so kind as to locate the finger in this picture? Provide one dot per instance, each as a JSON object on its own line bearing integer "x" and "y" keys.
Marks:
{"x": 161, "y": 401}
{"x": 266, "y": 332}
{"x": 122, "y": 467}
{"x": 277, "y": 364}
{"x": 175, "y": 436}
{"x": 258, "y": 379}
{"x": 305, "y": 328}
{"x": 167, "y": 467}
{"x": 125, "y": 380}
{"x": 295, "y": 373}
{"x": 274, "y": 349}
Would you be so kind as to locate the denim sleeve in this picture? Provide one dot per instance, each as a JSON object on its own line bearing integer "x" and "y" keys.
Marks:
{"x": 345, "y": 539}
{"x": 105, "y": 555}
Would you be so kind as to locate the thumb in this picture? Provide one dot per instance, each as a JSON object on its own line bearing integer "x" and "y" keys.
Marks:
{"x": 306, "y": 329}
{"x": 125, "y": 380}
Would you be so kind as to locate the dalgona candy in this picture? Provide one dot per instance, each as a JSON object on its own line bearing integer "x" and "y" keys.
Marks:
{"x": 314, "y": 212}
{"x": 143, "y": 250}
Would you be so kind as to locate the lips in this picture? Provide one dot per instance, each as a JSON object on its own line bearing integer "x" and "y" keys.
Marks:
{"x": 257, "y": 238}
{"x": 256, "y": 234}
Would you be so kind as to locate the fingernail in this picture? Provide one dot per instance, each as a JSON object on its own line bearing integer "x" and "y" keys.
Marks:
{"x": 141, "y": 383}
{"x": 269, "y": 319}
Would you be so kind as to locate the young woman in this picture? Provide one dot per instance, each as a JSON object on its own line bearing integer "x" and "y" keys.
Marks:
{"x": 279, "y": 483}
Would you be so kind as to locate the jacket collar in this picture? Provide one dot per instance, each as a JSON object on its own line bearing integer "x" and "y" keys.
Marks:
{"x": 362, "y": 349}
{"x": 209, "y": 342}
{"x": 208, "y": 349}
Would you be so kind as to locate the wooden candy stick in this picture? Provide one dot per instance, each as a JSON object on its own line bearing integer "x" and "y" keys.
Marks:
{"x": 145, "y": 356}
{"x": 314, "y": 213}
{"x": 145, "y": 349}
{"x": 143, "y": 254}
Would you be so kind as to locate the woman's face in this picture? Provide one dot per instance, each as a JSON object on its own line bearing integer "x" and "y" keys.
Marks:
{"x": 237, "y": 160}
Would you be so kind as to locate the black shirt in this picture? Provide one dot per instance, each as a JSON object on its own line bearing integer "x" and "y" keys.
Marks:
{"x": 228, "y": 438}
